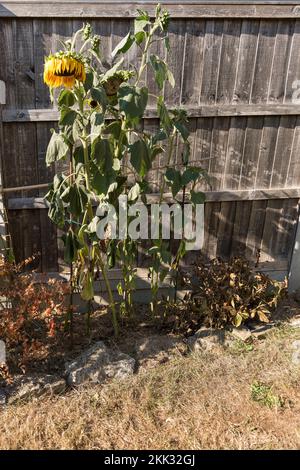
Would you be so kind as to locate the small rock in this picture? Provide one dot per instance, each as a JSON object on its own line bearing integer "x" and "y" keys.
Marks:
{"x": 206, "y": 339}
{"x": 33, "y": 386}
{"x": 295, "y": 322}
{"x": 296, "y": 353}
{"x": 98, "y": 364}
{"x": 296, "y": 358}
{"x": 296, "y": 344}
{"x": 242, "y": 333}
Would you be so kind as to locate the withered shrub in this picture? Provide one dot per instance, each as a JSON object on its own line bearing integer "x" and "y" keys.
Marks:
{"x": 30, "y": 312}
{"x": 225, "y": 293}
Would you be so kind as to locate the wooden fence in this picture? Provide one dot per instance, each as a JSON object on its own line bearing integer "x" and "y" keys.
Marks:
{"x": 236, "y": 67}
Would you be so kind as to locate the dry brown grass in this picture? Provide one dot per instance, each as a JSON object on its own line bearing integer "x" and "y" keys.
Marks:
{"x": 196, "y": 402}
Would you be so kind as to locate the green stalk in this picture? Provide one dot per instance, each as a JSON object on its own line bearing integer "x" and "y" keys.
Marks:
{"x": 110, "y": 296}
{"x": 170, "y": 151}
{"x": 91, "y": 215}
{"x": 144, "y": 55}
{"x": 155, "y": 292}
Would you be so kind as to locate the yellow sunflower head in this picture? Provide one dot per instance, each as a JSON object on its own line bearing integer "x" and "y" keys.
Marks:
{"x": 63, "y": 69}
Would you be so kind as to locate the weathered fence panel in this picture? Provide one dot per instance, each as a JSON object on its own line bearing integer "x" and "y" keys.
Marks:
{"x": 235, "y": 67}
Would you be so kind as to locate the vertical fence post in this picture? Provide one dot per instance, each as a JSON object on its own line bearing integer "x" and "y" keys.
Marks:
{"x": 294, "y": 268}
{"x": 4, "y": 234}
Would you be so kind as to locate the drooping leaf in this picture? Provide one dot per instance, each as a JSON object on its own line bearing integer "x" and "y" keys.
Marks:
{"x": 66, "y": 98}
{"x": 113, "y": 128}
{"x": 78, "y": 155}
{"x": 124, "y": 45}
{"x": 140, "y": 157}
{"x": 88, "y": 81}
{"x": 102, "y": 155}
{"x": 173, "y": 180}
{"x": 67, "y": 116}
{"x": 102, "y": 183}
{"x": 71, "y": 246}
{"x": 164, "y": 116}
{"x": 182, "y": 129}
{"x": 191, "y": 174}
{"x": 170, "y": 78}
{"x": 134, "y": 192}
{"x": 97, "y": 121}
{"x": 197, "y": 197}
{"x": 133, "y": 101}
{"x": 140, "y": 37}
{"x": 87, "y": 283}
{"x": 98, "y": 94}
{"x": 141, "y": 22}
{"x": 161, "y": 71}
{"x": 57, "y": 149}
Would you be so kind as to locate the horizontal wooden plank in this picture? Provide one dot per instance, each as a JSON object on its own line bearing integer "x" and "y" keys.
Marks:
{"x": 48, "y": 115}
{"x": 211, "y": 196}
{"x": 115, "y": 275}
{"x": 84, "y": 9}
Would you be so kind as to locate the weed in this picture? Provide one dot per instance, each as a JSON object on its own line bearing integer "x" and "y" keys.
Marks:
{"x": 263, "y": 394}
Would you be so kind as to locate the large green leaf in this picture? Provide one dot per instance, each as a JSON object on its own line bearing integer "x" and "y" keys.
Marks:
{"x": 113, "y": 128}
{"x": 66, "y": 98}
{"x": 78, "y": 200}
{"x": 102, "y": 155}
{"x": 191, "y": 174}
{"x": 133, "y": 101}
{"x": 141, "y": 22}
{"x": 87, "y": 284}
{"x": 102, "y": 183}
{"x": 71, "y": 247}
{"x": 197, "y": 198}
{"x": 165, "y": 119}
{"x": 140, "y": 157}
{"x": 67, "y": 116}
{"x": 97, "y": 122}
{"x": 123, "y": 45}
{"x": 57, "y": 149}
{"x": 182, "y": 129}
{"x": 98, "y": 94}
{"x": 161, "y": 71}
{"x": 88, "y": 81}
{"x": 173, "y": 179}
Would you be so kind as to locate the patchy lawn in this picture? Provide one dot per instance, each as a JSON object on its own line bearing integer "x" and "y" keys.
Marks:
{"x": 242, "y": 397}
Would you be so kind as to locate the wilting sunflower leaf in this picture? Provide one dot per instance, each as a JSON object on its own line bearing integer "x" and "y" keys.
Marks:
{"x": 140, "y": 157}
{"x": 67, "y": 116}
{"x": 57, "y": 149}
{"x": 173, "y": 180}
{"x": 66, "y": 98}
{"x": 123, "y": 45}
{"x": 133, "y": 101}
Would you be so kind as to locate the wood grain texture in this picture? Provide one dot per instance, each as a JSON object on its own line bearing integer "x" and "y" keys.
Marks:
{"x": 235, "y": 67}
{"x": 213, "y": 110}
{"x": 98, "y": 9}
{"x": 22, "y": 203}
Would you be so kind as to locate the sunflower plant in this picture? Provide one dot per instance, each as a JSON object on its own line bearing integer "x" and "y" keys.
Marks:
{"x": 99, "y": 134}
